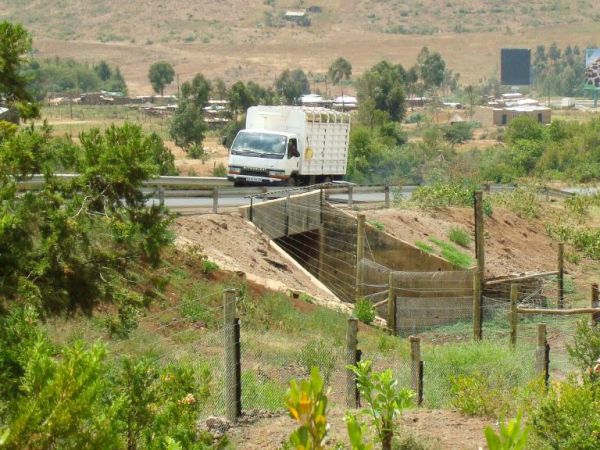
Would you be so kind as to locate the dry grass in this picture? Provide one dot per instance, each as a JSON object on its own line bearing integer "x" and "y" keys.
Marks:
{"x": 229, "y": 39}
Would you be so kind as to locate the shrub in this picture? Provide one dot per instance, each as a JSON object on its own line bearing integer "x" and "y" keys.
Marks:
{"x": 364, "y": 310}
{"x": 209, "y": 267}
{"x": 220, "y": 171}
{"x": 196, "y": 151}
{"x": 511, "y": 436}
{"x": 585, "y": 350}
{"x": 386, "y": 399}
{"x": 458, "y": 133}
{"x": 459, "y": 236}
{"x": 318, "y": 354}
{"x": 523, "y": 201}
{"x": 376, "y": 224}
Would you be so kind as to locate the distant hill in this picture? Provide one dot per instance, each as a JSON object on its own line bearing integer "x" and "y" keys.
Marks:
{"x": 250, "y": 39}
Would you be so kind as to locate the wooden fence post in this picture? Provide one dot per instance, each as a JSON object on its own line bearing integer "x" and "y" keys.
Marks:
{"x": 561, "y": 275}
{"x": 232, "y": 357}
{"x": 477, "y": 309}
{"x": 542, "y": 353}
{"x": 161, "y": 196}
{"x": 595, "y": 303}
{"x": 360, "y": 254}
{"x": 351, "y": 345}
{"x": 514, "y": 292}
{"x": 416, "y": 368}
{"x": 479, "y": 234}
{"x": 386, "y": 191}
{"x": 215, "y": 201}
{"x": 391, "y": 306}
{"x": 350, "y": 196}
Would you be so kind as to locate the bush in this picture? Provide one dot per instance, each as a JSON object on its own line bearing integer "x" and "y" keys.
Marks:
{"x": 458, "y": 133}
{"x": 220, "y": 171}
{"x": 209, "y": 267}
{"x": 364, "y": 310}
{"x": 318, "y": 353}
{"x": 459, "y": 236}
{"x": 585, "y": 350}
{"x": 523, "y": 201}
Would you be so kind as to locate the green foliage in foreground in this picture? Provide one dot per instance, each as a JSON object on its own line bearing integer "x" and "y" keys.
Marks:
{"x": 74, "y": 397}
{"x": 364, "y": 310}
{"x": 69, "y": 244}
{"x": 511, "y": 436}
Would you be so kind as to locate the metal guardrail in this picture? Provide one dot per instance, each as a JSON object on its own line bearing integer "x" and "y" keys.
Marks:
{"x": 209, "y": 182}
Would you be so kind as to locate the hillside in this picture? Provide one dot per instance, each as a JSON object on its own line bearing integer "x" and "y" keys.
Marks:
{"x": 233, "y": 39}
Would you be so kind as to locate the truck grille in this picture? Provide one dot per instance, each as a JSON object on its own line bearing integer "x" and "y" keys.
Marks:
{"x": 254, "y": 172}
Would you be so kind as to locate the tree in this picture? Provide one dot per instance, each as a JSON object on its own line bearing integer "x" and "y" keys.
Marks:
{"x": 187, "y": 124}
{"x": 384, "y": 83}
{"x": 14, "y": 45}
{"x": 160, "y": 75}
{"x": 431, "y": 69}
{"x": 340, "y": 69}
{"x": 103, "y": 70}
{"x": 292, "y": 84}
{"x": 240, "y": 98}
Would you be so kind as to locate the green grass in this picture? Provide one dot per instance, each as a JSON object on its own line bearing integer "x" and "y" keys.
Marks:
{"x": 459, "y": 236}
{"x": 452, "y": 254}
{"x": 424, "y": 246}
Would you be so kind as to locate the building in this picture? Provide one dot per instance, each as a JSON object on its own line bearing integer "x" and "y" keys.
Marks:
{"x": 502, "y": 112}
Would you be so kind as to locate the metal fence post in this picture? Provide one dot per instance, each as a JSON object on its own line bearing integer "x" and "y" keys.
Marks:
{"x": 416, "y": 368}
{"x": 161, "y": 196}
{"x": 391, "y": 306}
{"x": 514, "y": 292}
{"x": 561, "y": 275}
{"x": 351, "y": 345}
{"x": 477, "y": 310}
{"x": 595, "y": 303}
{"x": 215, "y": 206}
{"x": 542, "y": 353}
{"x": 232, "y": 357}
{"x": 386, "y": 191}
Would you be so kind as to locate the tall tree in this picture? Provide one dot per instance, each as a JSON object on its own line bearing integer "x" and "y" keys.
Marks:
{"x": 240, "y": 98}
{"x": 384, "y": 84}
{"x": 340, "y": 69}
{"x": 15, "y": 43}
{"x": 187, "y": 125}
{"x": 161, "y": 74}
{"x": 103, "y": 70}
{"x": 292, "y": 84}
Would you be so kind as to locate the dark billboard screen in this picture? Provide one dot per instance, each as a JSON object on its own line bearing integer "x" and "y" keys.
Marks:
{"x": 515, "y": 66}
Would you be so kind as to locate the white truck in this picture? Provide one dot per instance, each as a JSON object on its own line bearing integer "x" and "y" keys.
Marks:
{"x": 290, "y": 145}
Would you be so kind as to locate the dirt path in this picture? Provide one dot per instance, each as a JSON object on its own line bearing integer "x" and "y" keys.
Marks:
{"x": 437, "y": 429}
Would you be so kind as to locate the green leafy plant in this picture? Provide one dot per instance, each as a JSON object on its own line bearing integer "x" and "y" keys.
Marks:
{"x": 452, "y": 254}
{"x": 424, "y": 246}
{"x": 585, "y": 349}
{"x": 307, "y": 405}
{"x": 364, "y": 310}
{"x": 209, "y": 267}
{"x": 318, "y": 353}
{"x": 459, "y": 236}
{"x": 386, "y": 399}
{"x": 378, "y": 225}
{"x": 356, "y": 433}
{"x": 220, "y": 171}
{"x": 512, "y": 436}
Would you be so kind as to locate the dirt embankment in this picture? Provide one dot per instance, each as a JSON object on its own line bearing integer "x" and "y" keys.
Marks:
{"x": 236, "y": 245}
{"x": 512, "y": 244}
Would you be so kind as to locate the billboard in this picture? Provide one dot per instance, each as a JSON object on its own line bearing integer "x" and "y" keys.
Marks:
{"x": 592, "y": 67}
{"x": 515, "y": 66}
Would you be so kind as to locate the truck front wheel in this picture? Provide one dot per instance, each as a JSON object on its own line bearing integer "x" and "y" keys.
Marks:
{"x": 292, "y": 181}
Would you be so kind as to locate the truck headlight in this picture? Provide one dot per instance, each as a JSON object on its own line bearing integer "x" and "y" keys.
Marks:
{"x": 276, "y": 173}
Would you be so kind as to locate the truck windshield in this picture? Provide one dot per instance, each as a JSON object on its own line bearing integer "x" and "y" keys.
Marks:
{"x": 264, "y": 145}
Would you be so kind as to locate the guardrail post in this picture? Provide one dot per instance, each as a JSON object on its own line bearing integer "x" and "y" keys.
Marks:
{"x": 215, "y": 207}
{"x": 561, "y": 275}
{"x": 386, "y": 192}
{"x": 595, "y": 303}
{"x": 232, "y": 357}
{"x": 350, "y": 196}
{"x": 251, "y": 208}
{"x": 286, "y": 219}
{"x": 360, "y": 254}
{"x": 351, "y": 345}
{"x": 416, "y": 368}
{"x": 161, "y": 196}
{"x": 514, "y": 292}
{"x": 542, "y": 353}
{"x": 391, "y": 305}
{"x": 477, "y": 310}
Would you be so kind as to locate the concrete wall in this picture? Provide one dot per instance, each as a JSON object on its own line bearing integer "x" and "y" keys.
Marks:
{"x": 489, "y": 116}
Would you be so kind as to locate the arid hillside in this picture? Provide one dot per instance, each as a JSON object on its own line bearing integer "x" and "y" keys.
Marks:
{"x": 250, "y": 40}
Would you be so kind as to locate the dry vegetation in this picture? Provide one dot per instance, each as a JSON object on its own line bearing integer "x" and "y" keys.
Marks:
{"x": 230, "y": 38}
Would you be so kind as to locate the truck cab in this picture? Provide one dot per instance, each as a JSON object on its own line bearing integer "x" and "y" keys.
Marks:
{"x": 264, "y": 157}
